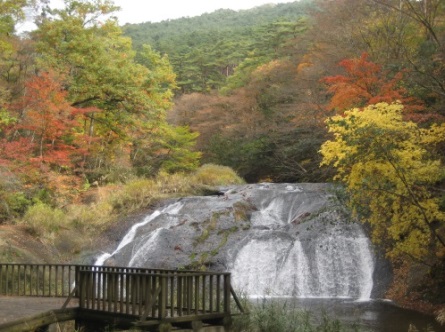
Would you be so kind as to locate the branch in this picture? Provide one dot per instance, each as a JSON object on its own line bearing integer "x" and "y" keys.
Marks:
{"x": 414, "y": 14}
{"x": 413, "y": 197}
{"x": 81, "y": 102}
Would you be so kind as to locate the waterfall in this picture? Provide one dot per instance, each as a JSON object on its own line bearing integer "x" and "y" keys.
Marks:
{"x": 276, "y": 239}
{"x": 129, "y": 237}
{"x": 339, "y": 267}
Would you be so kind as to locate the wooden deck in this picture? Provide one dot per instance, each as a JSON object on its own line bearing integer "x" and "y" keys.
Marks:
{"x": 33, "y": 296}
{"x": 14, "y": 308}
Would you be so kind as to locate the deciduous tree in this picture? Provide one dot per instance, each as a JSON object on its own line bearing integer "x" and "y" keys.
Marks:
{"x": 102, "y": 73}
{"x": 366, "y": 83}
{"x": 389, "y": 172}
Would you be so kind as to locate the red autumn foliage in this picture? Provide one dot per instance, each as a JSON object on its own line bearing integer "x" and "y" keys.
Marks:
{"x": 47, "y": 132}
{"x": 366, "y": 83}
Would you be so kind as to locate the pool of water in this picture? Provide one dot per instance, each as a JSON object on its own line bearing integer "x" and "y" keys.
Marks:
{"x": 375, "y": 316}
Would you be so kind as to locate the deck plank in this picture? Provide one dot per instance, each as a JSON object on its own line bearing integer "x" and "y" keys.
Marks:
{"x": 13, "y": 308}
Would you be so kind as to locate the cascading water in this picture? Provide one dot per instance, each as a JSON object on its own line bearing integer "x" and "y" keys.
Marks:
{"x": 276, "y": 239}
{"x": 330, "y": 267}
{"x": 171, "y": 209}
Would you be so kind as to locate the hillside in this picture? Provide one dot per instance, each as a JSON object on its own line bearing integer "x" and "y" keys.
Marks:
{"x": 94, "y": 125}
{"x": 204, "y": 50}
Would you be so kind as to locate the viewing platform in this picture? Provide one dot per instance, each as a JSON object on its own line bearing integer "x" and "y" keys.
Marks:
{"x": 34, "y": 296}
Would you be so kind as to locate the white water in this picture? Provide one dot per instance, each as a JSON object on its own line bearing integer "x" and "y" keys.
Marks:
{"x": 130, "y": 236}
{"x": 333, "y": 267}
{"x": 297, "y": 246}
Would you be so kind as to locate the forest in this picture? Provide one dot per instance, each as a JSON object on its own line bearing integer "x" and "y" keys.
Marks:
{"x": 351, "y": 91}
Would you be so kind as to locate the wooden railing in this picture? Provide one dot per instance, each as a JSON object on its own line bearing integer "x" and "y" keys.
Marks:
{"x": 138, "y": 292}
{"x": 44, "y": 280}
{"x": 154, "y": 294}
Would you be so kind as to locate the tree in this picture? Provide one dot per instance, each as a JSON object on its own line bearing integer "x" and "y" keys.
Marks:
{"x": 11, "y": 11}
{"x": 389, "y": 172}
{"x": 172, "y": 151}
{"x": 161, "y": 79}
{"x": 47, "y": 119}
{"x": 425, "y": 13}
{"x": 424, "y": 56}
{"x": 176, "y": 153}
{"x": 122, "y": 100}
{"x": 366, "y": 83}
{"x": 15, "y": 53}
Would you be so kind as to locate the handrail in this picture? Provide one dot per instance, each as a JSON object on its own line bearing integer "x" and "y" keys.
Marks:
{"x": 145, "y": 293}
{"x": 147, "y": 270}
{"x": 103, "y": 267}
{"x": 155, "y": 295}
{"x": 44, "y": 280}
{"x": 161, "y": 273}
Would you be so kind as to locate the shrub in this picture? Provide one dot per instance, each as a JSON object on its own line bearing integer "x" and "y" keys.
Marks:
{"x": 216, "y": 175}
{"x": 12, "y": 204}
{"x": 134, "y": 195}
{"x": 176, "y": 184}
{"x": 140, "y": 193}
{"x": 87, "y": 217}
{"x": 42, "y": 219}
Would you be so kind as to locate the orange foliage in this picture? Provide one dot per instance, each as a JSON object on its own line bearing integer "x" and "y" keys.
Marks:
{"x": 365, "y": 83}
{"x": 47, "y": 134}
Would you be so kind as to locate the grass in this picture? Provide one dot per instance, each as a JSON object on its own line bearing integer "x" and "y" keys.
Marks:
{"x": 216, "y": 175}
{"x": 110, "y": 203}
{"x": 271, "y": 315}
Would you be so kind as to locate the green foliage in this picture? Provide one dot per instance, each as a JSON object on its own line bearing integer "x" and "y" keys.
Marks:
{"x": 205, "y": 50}
{"x": 386, "y": 166}
{"x": 178, "y": 144}
{"x": 290, "y": 156}
{"x": 161, "y": 80}
{"x": 242, "y": 73}
{"x": 13, "y": 204}
{"x": 119, "y": 100}
{"x": 44, "y": 220}
{"x": 172, "y": 150}
{"x": 246, "y": 156}
{"x": 11, "y": 12}
{"x": 6, "y": 119}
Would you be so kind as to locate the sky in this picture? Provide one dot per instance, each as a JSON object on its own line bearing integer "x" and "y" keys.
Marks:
{"x": 138, "y": 11}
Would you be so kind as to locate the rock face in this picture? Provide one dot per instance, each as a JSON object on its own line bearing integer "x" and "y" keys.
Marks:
{"x": 276, "y": 239}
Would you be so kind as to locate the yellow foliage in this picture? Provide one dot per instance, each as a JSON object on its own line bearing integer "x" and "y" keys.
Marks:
{"x": 216, "y": 175}
{"x": 386, "y": 166}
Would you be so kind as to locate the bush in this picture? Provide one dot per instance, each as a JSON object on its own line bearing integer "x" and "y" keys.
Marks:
{"x": 87, "y": 217}
{"x": 216, "y": 175}
{"x": 140, "y": 193}
{"x": 109, "y": 203}
{"x": 12, "y": 205}
{"x": 42, "y": 219}
{"x": 134, "y": 195}
{"x": 176, "y": 184}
